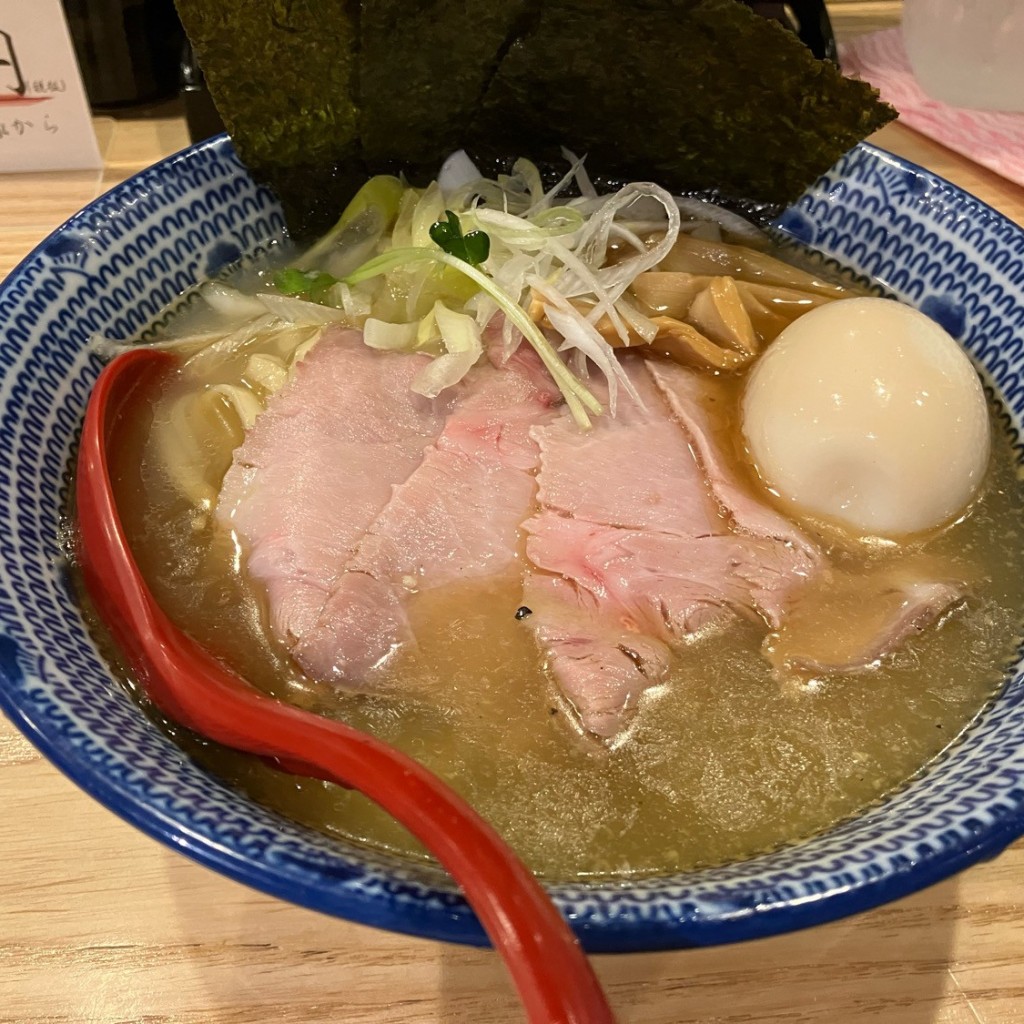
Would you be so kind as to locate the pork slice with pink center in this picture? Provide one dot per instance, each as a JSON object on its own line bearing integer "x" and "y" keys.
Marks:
{"x": 645, "y": 552}
{"x": 837, "y": 622}
{"x": 319, "y": 465}
{"x": 456, "y": 518}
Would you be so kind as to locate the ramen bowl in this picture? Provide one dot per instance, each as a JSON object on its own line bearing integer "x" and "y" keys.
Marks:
{"x": 112, "y": 268}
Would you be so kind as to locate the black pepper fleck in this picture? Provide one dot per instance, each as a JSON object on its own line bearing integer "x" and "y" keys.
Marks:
{"x": 522, "y": 611}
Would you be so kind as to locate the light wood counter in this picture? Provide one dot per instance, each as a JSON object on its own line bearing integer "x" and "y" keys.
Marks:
{"x": 101, "y": 925}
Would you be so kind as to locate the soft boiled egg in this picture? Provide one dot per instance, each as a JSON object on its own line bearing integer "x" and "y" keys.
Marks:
{"x": 866, "y": 412}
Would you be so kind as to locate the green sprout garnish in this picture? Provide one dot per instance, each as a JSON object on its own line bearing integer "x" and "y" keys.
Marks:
{"x": 473, "y": 248}
{"x": 312, "y": 285}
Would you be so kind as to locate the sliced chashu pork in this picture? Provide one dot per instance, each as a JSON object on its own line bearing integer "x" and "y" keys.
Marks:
{"x": 642, "y": 552}
{"x": 647, "y": 535}
{"x": 848, "y": 622}
{"x": 319, "y": 465}
{"x": 456, "y": 517}
{"x": 351, "y": 491}
{"x": 840, "y": 621}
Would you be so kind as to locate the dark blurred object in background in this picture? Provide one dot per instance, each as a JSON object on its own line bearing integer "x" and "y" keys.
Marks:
{"x": 128, "y": 50}
{"x": 807, "y": 18}
{"x": 200, "y": 114}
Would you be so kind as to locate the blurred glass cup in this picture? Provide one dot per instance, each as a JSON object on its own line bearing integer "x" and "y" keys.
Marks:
{"x": 968, "y": 53}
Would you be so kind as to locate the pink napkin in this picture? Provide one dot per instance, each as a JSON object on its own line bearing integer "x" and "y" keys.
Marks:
{"x": 993, "y": 139}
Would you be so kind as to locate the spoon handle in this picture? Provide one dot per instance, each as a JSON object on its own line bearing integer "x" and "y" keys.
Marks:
{"x": 553, "y": 977}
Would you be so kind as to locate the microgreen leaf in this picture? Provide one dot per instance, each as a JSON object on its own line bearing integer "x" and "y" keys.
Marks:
{"x": 473, "y": 248}
{"x": 304, "y": 284}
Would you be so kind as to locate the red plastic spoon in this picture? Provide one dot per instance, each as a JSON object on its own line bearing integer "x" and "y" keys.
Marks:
{"x": 547, "y": 965}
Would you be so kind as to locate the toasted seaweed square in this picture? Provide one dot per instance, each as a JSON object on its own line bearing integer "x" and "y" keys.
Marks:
{"x": 282, "y": 74}
{"x": 694, "y": 94}
{"x": 423, "y": 67}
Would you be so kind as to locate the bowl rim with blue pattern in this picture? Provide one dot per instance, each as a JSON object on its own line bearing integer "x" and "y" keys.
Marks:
{"x": 111, "y": 269}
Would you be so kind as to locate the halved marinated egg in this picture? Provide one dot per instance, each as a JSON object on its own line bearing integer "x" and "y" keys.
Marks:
{"x": 866, "y": 412}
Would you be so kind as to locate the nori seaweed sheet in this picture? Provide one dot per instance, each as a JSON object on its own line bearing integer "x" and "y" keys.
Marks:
{"x": 282, "y": 74}
{"x": 693, "y": 94}
{"x": 423, "y": 67}
{"x": 698, "y": 95}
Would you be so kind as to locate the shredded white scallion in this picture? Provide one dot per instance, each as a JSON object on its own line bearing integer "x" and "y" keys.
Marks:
{"x": 299, "y": 311}
{"x": 456, "y": 173}
{"x": 579, "y": 333}
{"x": 386, "y": 336}
{"x": 463, "y": 347}
{"x": 583, "y": 182}
{"x": 230, "y": 302}
{"x": 578, "y": 257}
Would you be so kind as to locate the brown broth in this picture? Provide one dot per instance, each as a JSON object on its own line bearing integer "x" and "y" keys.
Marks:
{"x": 723, "y": 762}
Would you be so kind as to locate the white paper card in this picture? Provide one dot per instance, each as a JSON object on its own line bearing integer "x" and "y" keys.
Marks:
{"x": 45, "y": 122}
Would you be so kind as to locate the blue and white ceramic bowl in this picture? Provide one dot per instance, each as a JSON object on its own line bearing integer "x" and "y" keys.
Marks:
{"x": 112, "y": 267}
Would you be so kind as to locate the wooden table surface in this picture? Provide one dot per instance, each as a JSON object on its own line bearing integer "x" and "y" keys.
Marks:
{"x": 100, "y": 924}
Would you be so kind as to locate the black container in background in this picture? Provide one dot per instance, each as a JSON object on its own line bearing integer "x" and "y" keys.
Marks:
{"x": 129, "y": 51}
{"x": 807, "y": 18}
{"x": 200, "y": 114}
